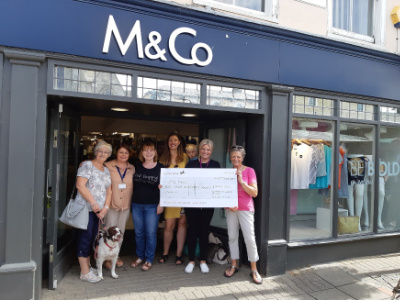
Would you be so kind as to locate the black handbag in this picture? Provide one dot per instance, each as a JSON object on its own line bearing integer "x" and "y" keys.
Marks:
{"x": 212, "y": 251}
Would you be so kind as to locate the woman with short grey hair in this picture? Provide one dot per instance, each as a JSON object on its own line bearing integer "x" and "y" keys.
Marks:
{"x": 94, "y": 190}
{"x": 242, "y": 216}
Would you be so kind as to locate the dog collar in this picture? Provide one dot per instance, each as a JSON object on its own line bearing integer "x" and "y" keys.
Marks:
{"x": 109, "y": 246}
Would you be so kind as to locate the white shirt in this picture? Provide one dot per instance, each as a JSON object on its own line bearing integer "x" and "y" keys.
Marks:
{"x": 300, "y": 168}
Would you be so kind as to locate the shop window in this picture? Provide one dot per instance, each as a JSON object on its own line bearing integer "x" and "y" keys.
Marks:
{"x": 390, "y": 114}
{"x": 313, "y": 106}
{"x": 359, "y": 111}
{"x": 358, "y": 19}
{"x": 389, "y": 179}
{"x": 356, "y": 178}
{"x": 263, "y": 9}
{"x": 168, "y": 90}
{"x": 233, "y": 97}
{"x": 90, "y": 81}
{"x": 311, "y": 179}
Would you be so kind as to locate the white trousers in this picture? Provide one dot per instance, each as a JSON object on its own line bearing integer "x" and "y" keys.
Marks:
{"x": 245, "y": 221}
{"x": 117, "y": 218}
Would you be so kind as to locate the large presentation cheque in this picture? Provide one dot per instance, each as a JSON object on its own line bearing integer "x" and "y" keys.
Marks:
{"x": 198, "y": 188}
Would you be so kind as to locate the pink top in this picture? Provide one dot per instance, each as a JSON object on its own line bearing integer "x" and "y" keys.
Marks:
{"x": 245, "y": 201}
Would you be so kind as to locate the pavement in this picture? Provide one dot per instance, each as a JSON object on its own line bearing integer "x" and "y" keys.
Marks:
{"x": 370, "y": 277}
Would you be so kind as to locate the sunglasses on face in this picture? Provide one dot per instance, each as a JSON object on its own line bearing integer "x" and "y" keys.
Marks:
{"x": 236, "y": 148}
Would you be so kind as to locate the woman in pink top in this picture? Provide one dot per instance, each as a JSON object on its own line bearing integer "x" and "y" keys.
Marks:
{"x": 243, "y": 215}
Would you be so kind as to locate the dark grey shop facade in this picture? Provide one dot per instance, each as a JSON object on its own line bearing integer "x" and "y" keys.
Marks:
{"x": 280, "y": 92}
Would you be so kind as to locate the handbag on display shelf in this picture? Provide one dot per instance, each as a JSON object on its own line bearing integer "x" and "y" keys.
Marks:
{"x": 348, "y": 224}
{"x": 75, "y": 214}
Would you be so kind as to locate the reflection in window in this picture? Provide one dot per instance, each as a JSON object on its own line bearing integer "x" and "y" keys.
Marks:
{"x": 90, "y": 81}
{"x": 168, "y": 90}
{"x": 311, "y": 179}
{"x": 250, "y": 4}
{"x": 390, "y": 114}
{"x": 389, "y": 179}
{"x": 313, "y": 106}
{"x": 232, "y": 97}
{"x": 353, "y": 15}
{"x": 354, "y": 110}
{"x": 356, "y": 178}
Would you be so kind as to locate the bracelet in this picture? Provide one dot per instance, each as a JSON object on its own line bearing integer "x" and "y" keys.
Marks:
{"x": 107, "y": 207}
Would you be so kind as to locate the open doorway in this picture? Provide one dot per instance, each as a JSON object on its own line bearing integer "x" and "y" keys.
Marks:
{"x": 74, "y": 125}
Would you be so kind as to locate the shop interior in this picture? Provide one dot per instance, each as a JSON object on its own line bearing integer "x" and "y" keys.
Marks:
{"x": 82, "y": 122}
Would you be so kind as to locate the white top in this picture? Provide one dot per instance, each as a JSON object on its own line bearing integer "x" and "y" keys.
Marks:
{"x": 97, "y": 184}
{"x": 300, "y": 168}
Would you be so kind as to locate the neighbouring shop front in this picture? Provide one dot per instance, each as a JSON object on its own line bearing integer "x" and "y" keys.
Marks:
{"x": 319, "y": 120}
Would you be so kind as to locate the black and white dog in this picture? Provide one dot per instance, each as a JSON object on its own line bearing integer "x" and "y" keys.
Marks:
{"x": 107, "y": 249}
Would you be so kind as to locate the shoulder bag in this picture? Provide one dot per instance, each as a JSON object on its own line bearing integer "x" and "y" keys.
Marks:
{"x": 75, "y": 214}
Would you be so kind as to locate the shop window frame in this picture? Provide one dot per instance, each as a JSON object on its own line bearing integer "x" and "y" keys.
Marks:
{"x": 376, "y": 122}
{"x": 138, "y": 71}
{"x": 378, "y": 26}
{"x": 270, "y": 9}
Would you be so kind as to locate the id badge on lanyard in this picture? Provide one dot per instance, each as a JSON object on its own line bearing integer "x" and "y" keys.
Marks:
{"x": 122, "y": 185}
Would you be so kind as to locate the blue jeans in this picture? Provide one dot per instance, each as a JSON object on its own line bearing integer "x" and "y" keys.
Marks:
{"x": 145, "y": 221}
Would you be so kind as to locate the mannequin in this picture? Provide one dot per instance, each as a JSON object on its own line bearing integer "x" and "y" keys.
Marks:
{"x": 367, "y": 185}
{"x": 381, "y": 200}
{"x": 356, "y": 169}
{"x": 382, "y": 182}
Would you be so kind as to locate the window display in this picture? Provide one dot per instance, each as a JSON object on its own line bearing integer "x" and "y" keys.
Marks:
{"x": 389, "y": 179}
{"x": 311, "y": 177}
{"x": 356, "y": 193}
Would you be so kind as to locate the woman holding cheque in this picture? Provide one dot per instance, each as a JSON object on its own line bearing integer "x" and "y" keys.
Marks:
{"x": 243, "y": 215}
{"x": 199, "y": 219}
{"x": 174, "y": 157}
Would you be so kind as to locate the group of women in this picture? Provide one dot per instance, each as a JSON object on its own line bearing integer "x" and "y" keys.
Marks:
{"x": 110, "y": 188}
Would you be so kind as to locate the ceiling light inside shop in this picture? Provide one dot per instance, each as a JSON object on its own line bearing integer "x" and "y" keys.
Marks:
{"x": 119, "y": 109}
{"x": 308, "y": 124}
{"x": 95, "y": 132}
{"x": 189, "y": 115}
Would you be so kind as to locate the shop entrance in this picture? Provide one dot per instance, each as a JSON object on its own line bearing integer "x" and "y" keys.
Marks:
{"x": 74, "y": 125}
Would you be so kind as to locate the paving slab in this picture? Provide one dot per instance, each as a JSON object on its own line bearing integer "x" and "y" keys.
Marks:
{"x": 360, "y": 290}
{"x": 336, "y": 276}
{"x": 331, "y": 294}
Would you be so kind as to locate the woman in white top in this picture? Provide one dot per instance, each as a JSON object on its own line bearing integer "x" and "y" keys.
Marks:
{"x": 94, "y": 189}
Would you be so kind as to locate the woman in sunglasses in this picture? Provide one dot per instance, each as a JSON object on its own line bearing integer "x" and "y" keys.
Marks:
{"x": 243, "y": 215}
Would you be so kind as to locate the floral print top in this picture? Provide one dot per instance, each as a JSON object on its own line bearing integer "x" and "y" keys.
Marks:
{"x": 97, "y": 184}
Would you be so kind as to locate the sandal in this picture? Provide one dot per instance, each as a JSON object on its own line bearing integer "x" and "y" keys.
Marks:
{"x": 230, "y": 269}
{"x": 179, "y": 260}
{"x": 107, "y": 265}
{"x": 256, "y": 277}
{"x": 146, "y": 266}
{"x": 163, "y": 259}
{"x": 120, "y": 263}
{"x": 136, "y": 263}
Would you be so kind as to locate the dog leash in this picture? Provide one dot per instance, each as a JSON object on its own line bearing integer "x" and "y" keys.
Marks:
{"x": 101, "y": 223}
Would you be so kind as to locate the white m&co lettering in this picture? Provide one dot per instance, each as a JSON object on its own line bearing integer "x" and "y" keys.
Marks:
{"x": 154, "y": 38}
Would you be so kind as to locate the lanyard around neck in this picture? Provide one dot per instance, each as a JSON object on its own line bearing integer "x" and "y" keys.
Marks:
{"x": 122, "y": 176}
{"x": 201, "y": 164}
